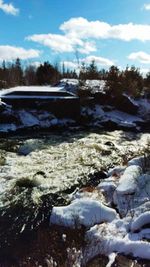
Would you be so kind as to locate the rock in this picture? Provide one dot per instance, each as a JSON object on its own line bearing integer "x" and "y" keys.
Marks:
{"x": 123, "y": 261}
{"x": 8, "y": 118}
{"x": 110, "y": 125}
{"x": 109, "y": 143}
{"x": 124, "y": 104}
{"x": 99, "y": 261}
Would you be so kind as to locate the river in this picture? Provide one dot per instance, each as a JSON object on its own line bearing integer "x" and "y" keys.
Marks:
{"x": 37, "y": 172}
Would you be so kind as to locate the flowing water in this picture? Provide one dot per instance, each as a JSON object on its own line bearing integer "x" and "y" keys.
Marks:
{"x": 39, "y": 172}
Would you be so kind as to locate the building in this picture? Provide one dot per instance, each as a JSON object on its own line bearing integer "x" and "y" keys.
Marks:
{"x": 53, "y": 99}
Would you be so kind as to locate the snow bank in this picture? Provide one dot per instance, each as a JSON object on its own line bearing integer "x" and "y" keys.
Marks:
{"x": 123, "y": 118}
{"x": 85, "y": 212}
{"x": 128, "y": 181}
{"x": 128, "y": 188}
{"x": 109, "y": 238}
{"x": 139, "y": 222}
{"x": 137, "y": 161}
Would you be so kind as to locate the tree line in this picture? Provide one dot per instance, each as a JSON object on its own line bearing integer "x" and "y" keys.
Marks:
{"x": 118, "y": 81}
{"x": 129, "y": 81}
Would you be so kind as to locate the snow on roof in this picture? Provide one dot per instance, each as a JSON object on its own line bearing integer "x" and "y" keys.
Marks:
{"x": 32, "y": 89}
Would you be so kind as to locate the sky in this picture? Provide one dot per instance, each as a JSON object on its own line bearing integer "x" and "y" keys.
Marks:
{"x": 112, "y": 32}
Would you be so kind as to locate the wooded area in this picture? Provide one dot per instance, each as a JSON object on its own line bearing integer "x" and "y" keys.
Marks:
{"x": 118, "y": 81}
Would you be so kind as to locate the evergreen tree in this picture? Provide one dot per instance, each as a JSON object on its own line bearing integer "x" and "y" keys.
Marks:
{"x": 114, "y": 81}
{"x": 133, "y": 81}
{"x": 30, "y": 75}
{"x": 92, "y": 71}
{"x": 47, "y": 74}
{"x": 18, "y": 73}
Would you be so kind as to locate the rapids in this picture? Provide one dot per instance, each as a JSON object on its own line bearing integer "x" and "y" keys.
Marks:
{"x": 39, "y": 172}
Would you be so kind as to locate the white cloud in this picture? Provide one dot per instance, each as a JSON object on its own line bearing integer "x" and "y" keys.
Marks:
{"x": 56, "y": 42}
{"x": 87, "y": 47}
{"x": 70, "y": 64}
{"x": 11, "y": 52}
{"x": 83, "y": 28}
{"x": 9, "y": 8}
{"x": 35, "y": 64}
{"x": 79, "y": 34}
{"x": 140, "y": 56}
{"x": 147, "y": 6}
{"x": 63, "y": 43}
{"x": 100, "y": 61}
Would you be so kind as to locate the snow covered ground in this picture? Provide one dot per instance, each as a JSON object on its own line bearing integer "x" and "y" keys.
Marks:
{"x": 95, "y": 114}
{"x": 117, "y": 219}
{"x": 98, "y": 116}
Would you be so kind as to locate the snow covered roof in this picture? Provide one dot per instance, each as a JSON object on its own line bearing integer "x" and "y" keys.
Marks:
{"x": 32, "y": 89}
{"x": 35, "y": 92}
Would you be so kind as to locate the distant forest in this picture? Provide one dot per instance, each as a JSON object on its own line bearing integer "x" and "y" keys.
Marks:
{"x": 118, "y": 81}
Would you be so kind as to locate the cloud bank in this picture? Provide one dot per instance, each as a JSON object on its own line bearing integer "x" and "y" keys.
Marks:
{"x": 140, "y": 56}
{"x": 11, "y": 52}
{"x": 79, "y": 34}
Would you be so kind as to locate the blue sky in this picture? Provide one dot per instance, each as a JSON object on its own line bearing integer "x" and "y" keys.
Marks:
{"x": 110, "y": 32}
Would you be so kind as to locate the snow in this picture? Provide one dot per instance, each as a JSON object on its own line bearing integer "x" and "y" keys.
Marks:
{"x": 69, "y": 81}
{"x": 116, "y": 171}
{"x": 128, "y": 181}
{"x": 7, "y": 93}
{"x": 31, "y": 88}
{"x": 144, "y": 107}
{"x": 106, "y": 239}
{"x": 140, "y": 221}
{"x": 123, "y": 118}
{"x": 111, "y": 257}
{"x": 7, "y": 127}
{"x": 136, "y": 161}
{"x": 111, "y": 233}
{"x": 96, "y": 85}
{"x": 28, "y": 119}
{"x": 85, "y": 212}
